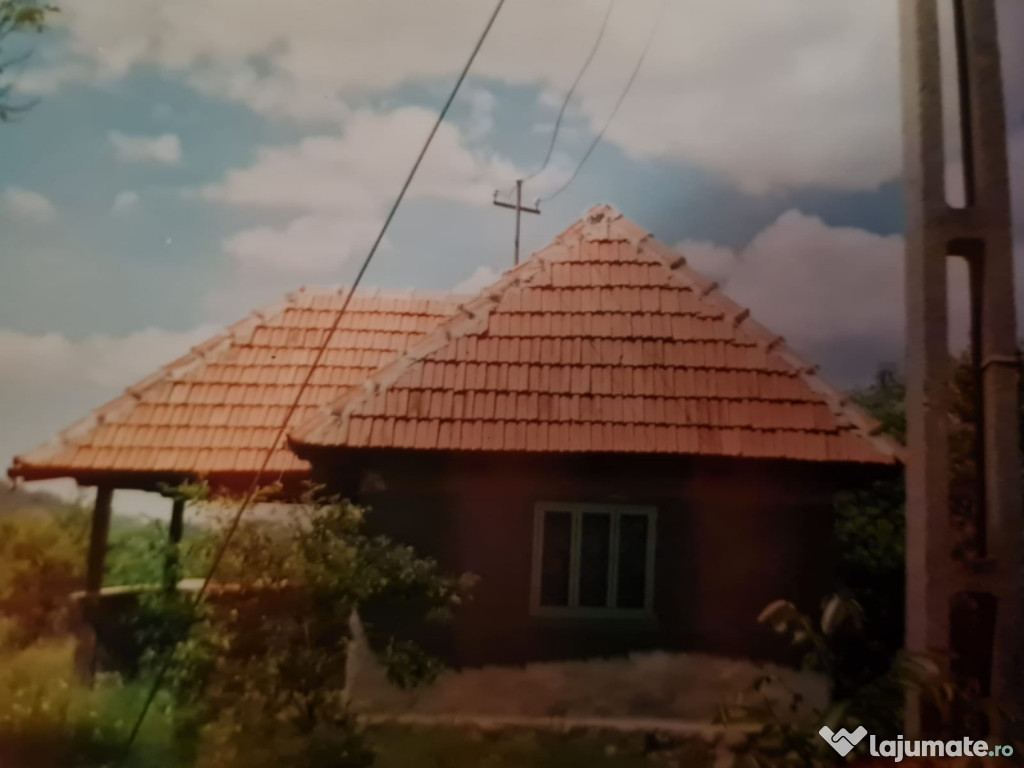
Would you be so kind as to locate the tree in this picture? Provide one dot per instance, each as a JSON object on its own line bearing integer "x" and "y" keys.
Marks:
{"x": 42, "y": 560}
{"x": 870, "y": 523}
{"x": 260, "y": 676}
{"x": 885, "y": 400}
{"x": 17, "y": 16}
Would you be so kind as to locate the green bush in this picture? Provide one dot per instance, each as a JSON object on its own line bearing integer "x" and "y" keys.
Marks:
{"x": 256, "y": 673}
{"x": 43, "y": 551}
{"x": 42, "y": 560}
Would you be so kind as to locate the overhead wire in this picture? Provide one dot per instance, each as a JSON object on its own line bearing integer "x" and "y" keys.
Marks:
{"x": 615, "y": 108}
{"x": 254, "y": 488}
{"x": 572, "y": 90}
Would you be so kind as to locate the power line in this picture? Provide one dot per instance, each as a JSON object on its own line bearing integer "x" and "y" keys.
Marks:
{"x": 255, "y": 486}
{"x": 618, "y": 103}
{"x": 572, "y": 90}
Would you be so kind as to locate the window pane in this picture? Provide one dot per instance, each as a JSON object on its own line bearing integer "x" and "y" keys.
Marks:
{"x": 632, "y": 561}
{"x": 595, "y": 549}
{"x": 554, "y": 568}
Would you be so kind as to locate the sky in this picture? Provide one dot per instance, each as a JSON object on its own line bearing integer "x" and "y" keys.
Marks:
{"x": 187, "y": 162}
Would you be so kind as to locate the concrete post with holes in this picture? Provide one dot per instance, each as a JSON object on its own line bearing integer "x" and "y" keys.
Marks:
{"x": 980, "y": 232}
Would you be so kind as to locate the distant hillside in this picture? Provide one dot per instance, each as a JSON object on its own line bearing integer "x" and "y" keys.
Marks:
{"x": 19, "y": 499}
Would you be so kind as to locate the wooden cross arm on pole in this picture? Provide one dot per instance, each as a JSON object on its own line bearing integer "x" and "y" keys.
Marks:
{"x": 519, "y": 209}
{"x": 515, "y": 207}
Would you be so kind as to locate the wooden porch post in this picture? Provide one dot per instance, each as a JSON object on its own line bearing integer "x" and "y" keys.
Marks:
{"x": 175, "y": 532}
{"x": 85, "y": 652}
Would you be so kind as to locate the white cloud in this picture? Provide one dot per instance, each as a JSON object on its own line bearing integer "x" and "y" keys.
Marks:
{"x": 101, "y": 361}
{"x": 481, "y": 116}
{"x": 28, "y": 205}
{"x": 770, "y": 94}
{"x": 48, "y": 381}
{"x": 338, "y": 188}
{"x": 273, "y": 96}
{"x": 834, "y": 293}
{"x": 125, "y": 201}
{"x": 365, "y": 166}
{"x": 476, "y": 282}
{"x": 50, "y": 78}
{"x": 314, "y": 244}
{"x": 715, "y": 262}
{"x": 164, "y": 149}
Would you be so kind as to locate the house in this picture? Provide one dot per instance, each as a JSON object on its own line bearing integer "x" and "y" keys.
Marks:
{"x": 622, "y": 454}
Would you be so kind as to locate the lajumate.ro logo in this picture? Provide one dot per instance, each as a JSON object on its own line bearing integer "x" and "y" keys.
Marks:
{"x": 843, "y": 742}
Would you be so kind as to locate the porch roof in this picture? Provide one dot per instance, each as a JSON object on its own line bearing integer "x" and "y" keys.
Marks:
{"x": 215, "y": 411}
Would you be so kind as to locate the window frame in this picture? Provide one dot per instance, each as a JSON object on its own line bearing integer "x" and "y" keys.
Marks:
{"x": 577, "y": 510}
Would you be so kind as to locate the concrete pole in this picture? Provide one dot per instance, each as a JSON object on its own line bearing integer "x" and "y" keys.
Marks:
{"x": 990, "y": 229}
{"x": 981, "y": 233}
{"x": 928, "y": 557}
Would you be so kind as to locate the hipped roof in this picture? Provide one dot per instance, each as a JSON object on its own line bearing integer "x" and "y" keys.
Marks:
{"x": 602, "y": 342}
{"x": 605, "y": 341}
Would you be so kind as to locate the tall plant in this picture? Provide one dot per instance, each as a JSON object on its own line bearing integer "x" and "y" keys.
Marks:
{"x": 261, "y": 677}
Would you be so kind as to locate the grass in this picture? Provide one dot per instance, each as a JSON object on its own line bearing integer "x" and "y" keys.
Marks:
{"x": 48, "y": 718}
{"x": 441, "y": 747}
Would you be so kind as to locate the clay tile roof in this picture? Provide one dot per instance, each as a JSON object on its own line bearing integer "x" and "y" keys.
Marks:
{"x": 603, "y": 341}
{"x": 217, "y": 409}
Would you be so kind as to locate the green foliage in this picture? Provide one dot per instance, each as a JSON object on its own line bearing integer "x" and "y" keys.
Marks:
{"x": 139, "y": 554}
{"x": 870, "y": 522}
{"x": 48, "y": 718}
{"x": 870, "y": 529}
{"x": 23, "y": 16}
{"x": 43, "y": 554}
{"x": 869, "y": 532}
{"x": 18, "y": 16}
{"x": 260, "y": 678}
{"x": 42, "y": 560}
{"x": 257, "y": 671}
{"x": 885, "y": 399}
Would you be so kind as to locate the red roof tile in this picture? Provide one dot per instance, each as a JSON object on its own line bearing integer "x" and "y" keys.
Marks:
{"x": 217, "y": 409}
{"x": 604, "y": 341}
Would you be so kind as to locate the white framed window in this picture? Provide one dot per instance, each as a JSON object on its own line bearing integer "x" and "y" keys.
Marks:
{"x": 593, "y": 560}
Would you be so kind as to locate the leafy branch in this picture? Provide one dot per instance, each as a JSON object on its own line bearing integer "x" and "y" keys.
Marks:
{"x": 18, "y": 16}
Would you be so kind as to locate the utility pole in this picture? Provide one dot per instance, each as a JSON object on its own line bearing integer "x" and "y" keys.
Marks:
{"x": 519, "y": 209}
{"x": 980, "y": 233}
